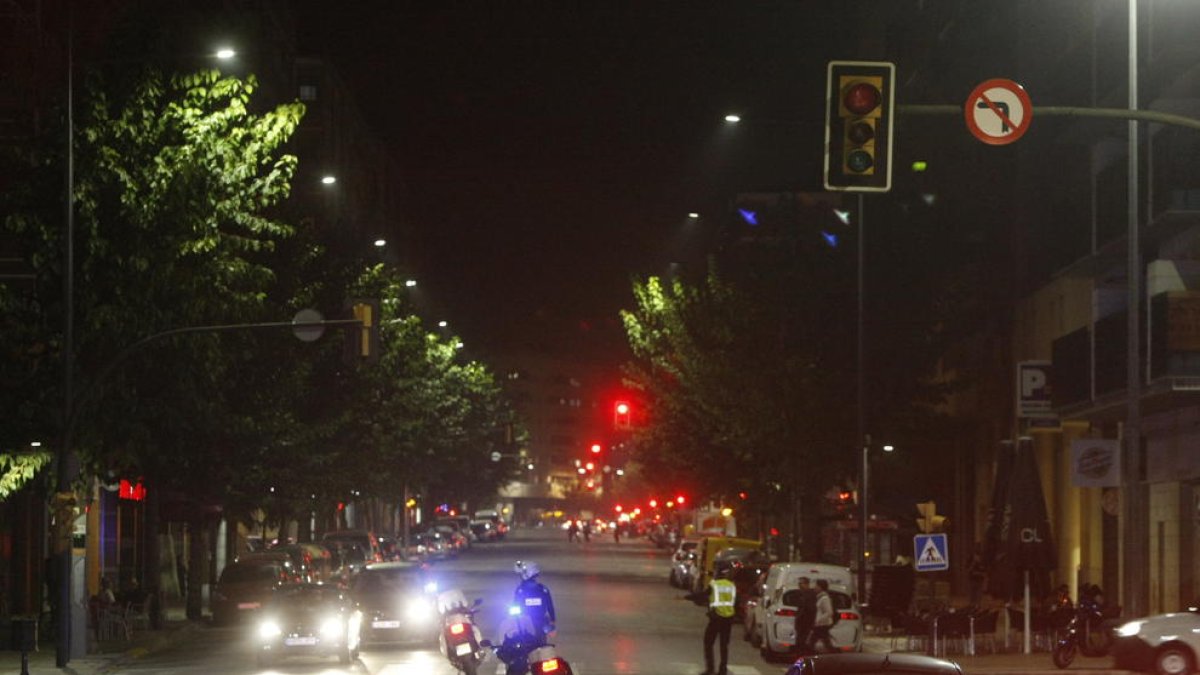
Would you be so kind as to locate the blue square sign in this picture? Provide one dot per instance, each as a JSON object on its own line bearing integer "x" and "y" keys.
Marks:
{"x": 932, "y": 552}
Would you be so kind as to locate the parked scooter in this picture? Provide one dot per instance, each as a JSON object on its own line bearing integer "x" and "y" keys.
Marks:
{"x": 523, "y": 649}
{"x": 1086, "y": 634}
{"x": 459, "y": 638}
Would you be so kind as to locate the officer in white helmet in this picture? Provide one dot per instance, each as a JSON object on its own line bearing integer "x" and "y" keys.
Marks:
{"x": 534, "y": 598}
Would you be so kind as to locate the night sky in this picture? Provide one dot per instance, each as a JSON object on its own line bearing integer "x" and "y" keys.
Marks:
{"x": 551, "y": 153}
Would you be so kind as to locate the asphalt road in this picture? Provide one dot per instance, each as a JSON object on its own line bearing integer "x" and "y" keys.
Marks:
{"x": 616, "y": 615}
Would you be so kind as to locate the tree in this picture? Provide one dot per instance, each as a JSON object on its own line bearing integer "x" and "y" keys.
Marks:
{"x": 174, "y": 178}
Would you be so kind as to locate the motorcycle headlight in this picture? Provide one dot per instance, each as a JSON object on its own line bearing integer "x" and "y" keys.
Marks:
{"x": 331, "y": 627}
{"x": 1130, "y": 629}
{"x": 269, "y": 630}
{"x": 431, "y": 587}
{"x": 418, "y": 610}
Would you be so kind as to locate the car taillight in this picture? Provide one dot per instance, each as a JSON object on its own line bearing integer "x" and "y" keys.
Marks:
{"x": 550, "y": 666}
{"x": 457, "y": 628}
{"x": 785, "y": 612}
{"x": 849, "y": 616}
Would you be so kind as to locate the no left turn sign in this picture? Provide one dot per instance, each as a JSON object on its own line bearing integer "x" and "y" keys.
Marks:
{"x": 998, "y": 112}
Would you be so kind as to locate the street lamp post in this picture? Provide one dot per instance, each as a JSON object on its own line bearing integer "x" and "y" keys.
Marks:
{"x": 864, "y": 517}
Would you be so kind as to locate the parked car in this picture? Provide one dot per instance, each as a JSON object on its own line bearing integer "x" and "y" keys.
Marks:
{"x": 309, "y": 620}
{"x": 1164, "y": 643}
{"x": 868, "y": 664}
{"x": 457, "y": 541}
{"x": 498, "y": 521}
{"x": 782, "y": 577}
{"x": 778, "y": 628}
{"x": 363, "y": 539}
{"x": 314, "y": 563}
{"x": 461, "y": 524}
{"x": 246, "y": 584}
{"x": 484, "y": 530}
{"x": 397, "y": 603}
{"x": 683, "y": 557}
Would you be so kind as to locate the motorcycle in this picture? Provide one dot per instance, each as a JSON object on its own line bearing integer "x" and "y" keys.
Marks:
{"x": 1085, "y": 634}
{"x": 459, "y": 638}
{"x": 524, "y": 651}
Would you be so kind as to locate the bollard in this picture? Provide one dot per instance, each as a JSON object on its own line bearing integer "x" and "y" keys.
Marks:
{"x": 24, "y": 639}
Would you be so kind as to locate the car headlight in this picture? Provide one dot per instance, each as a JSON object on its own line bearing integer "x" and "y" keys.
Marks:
{"x": 431, "y": 587}
{"x": 418, "y": 610}
{"x": 268, "y": 630}
{"x": 1130, "y": 629}
{"x": 331, "y": 627}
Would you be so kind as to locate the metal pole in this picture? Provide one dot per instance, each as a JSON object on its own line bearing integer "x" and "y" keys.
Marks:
{"x": 63, "y": 531}
{"x": 862, "y": 425}
{"x": 1132, "y": 498}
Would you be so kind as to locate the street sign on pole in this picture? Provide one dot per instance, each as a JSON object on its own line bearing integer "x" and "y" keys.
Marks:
{"x": 932, "y": 552}
{"x": 998, "y": 111}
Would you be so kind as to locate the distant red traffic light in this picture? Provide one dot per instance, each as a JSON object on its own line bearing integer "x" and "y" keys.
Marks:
{"x": 680, "y": 500}
{"x": 654, "y": 503}
{"x": 596, "y": 448}
{"x": 622, "y": 415}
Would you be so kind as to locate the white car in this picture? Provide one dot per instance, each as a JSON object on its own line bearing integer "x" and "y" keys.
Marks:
{"x": 776, "y": 629}
{"x": 1165, "y": 643}
{"x": 783, "y": 577}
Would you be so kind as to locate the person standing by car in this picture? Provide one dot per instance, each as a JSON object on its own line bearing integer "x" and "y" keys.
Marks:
{"x": 721, "y": 595}
{"x": 823, "y": 620}
{"x": 534, "y": 598}
{"x": 806, "y": 613}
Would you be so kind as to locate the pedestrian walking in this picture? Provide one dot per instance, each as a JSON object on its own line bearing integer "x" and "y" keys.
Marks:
{"x": 721, "y": 595}
{"x": 806, "y": 613}
{"x": 573, "y": 531}
{"x": 823, "y": 620}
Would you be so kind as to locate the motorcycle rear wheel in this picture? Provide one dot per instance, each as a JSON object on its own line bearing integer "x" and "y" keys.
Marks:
{"x": 1064, "y": 653}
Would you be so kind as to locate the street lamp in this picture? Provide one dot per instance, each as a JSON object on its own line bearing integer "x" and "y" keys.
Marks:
{"x": 864, "y": 551}
{"x": 225, "y": 53}
{"x": 733, "y": 119}
{"x": 328, "y": 179}
{"x": 380, "y": 243}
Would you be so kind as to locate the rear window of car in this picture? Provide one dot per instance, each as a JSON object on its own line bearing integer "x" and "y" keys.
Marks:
{"x": 309, "y": 597}
{"x": 386, "y": 581}
{"x": 243, "y": 572}
{"x": 840, "y": 600}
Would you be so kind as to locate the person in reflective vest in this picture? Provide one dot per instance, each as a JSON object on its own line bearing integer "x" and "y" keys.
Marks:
{"x": 722, "y": 599}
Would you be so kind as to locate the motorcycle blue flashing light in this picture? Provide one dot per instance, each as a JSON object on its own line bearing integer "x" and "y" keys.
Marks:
{"x": 514, "y": 610}
{"x": 749, "y": 216}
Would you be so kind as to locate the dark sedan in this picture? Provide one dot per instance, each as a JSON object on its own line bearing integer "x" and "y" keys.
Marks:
{"x": 397, "y": 603}
{"x": 869, "y": 664}
{"x": 309, "y": 620}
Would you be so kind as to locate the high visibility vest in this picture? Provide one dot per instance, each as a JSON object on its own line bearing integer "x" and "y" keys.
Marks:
{"x": 721, "y": 597}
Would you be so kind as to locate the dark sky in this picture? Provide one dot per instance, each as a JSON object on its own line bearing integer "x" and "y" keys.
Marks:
{"x": 554, "y": 149}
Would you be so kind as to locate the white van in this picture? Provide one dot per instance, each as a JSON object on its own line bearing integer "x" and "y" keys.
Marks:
{"x": 773, "y": 627}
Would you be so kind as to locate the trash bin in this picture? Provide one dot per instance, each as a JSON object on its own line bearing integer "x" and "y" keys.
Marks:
{"x": 24, "y": 633}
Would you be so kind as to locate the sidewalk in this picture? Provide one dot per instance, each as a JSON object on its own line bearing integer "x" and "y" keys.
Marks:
{"x": 1011, "y": 663}
{"x": 108, "y": 656}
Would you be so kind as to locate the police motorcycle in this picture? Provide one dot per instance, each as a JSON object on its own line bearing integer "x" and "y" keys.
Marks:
{"x": 523, "y": 649}
{"x": 1087, "y": 633}
{"x": 459, "y": 638}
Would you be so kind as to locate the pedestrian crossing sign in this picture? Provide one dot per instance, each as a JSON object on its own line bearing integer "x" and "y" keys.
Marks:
{"x": 932, "y": 552}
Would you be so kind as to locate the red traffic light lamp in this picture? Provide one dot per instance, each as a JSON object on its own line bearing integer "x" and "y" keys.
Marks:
{"x": 654, "y": 503}
{"x": 679, "y": 499}
{"x": 596, "y": 448}
{"x": 622, "y": 414}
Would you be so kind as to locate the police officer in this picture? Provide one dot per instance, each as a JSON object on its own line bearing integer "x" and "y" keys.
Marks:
{"x": 534, "y": 598}
{"x": 722, "y": 594}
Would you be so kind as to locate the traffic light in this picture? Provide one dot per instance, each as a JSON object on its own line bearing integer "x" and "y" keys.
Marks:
{"x": 596, "y": 448}
{"x": 362, "y": 340}
{"x": 929, "y": 520}
{"x": 622, "y": 413}
{"x": 859, "y": 108}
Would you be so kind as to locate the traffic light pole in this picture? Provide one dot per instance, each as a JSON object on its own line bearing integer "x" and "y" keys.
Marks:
{"x": 863, "y": 438}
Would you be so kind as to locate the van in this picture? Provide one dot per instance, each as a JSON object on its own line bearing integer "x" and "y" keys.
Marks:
{"x": 707, "y": 553}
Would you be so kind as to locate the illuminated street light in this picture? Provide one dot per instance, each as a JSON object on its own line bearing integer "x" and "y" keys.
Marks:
{"x": 620, "y": 472}
{"x": 693, "y": 215}
{"x": 225, "y": 53}
{"x": 411, "y": 283}
{"x": 733, "y": 119}
{"x": 328, "y": 180}
{"x": 442, "y": 324}
{"x": 35, "y": 444}
{"x": 459, "y": 345}
{"x": 380, "y": 243}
